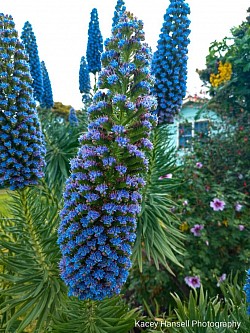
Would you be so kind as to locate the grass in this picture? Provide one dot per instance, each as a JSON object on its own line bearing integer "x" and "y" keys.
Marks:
{"x": 4, "y": 199}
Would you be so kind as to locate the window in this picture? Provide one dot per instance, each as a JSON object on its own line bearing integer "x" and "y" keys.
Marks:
{"x": 185, "y": 135}
{"x": 201, "y": 127}
{"x": 188, "y": 130}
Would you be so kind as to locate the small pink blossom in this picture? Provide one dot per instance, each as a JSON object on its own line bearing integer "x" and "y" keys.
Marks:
{"x": 185, "y": 203}
{"x": 193, "y": 281}
{"x": 168, "y": 176}
{"x": 238, "y": 207}
{"x": 196, "y": 229}
{"x": 217, "y": 204}
{"x": 241, "y": 227}
{"x": 199, "y": 165}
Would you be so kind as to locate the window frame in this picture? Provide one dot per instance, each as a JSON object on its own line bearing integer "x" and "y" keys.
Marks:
{"x": 192, "y": 122}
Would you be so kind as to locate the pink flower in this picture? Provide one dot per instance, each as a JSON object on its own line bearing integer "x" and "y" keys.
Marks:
{"x": 193, "y": 281}
{"x": 241, "y": 227}
{"x": 185, "y": 203}
{"x": 199, "y": 165}
{"x": 217, "y": 204}
{"x": 168, "y": 175}
{"x": 238, "y": 207}
{"x": 196, "y": 229}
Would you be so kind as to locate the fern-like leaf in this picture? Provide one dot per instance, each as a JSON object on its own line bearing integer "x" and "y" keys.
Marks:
{"x": 158, "y": 235}
{"x": 29, "y": 256}
{"x": 107, "y": 316}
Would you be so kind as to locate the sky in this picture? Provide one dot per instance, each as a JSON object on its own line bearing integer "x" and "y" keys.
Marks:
{"x": 61, "y": 30}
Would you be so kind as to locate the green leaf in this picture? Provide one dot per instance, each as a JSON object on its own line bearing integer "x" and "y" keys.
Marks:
{"x": 157, "y": 229}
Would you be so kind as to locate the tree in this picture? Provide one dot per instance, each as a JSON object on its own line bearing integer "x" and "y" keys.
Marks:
{"x": 29, "y": 41}
{"x": 119, "y": 10}
{"x": 95, "y": 44}
{"x": 233, "y": 55}
{"x": 21, "y": 142}
{"x": 47, "y": 98}
{"x": 227, "y": 75}
{"x": 169, "y": 63}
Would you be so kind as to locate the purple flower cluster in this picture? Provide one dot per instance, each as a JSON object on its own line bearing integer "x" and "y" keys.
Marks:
{"x": 102, "y": 196}
{"x": 21, "y": 142}
{"x": 169, "y": 63}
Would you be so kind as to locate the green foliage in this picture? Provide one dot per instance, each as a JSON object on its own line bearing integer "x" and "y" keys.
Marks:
{"x": 233, "y": 95}
{"x": 110, "y": 315}
{"x": 157, "y": 233}
{"x": 223, "y": 244}
{"x": 32, "y": 292}
{"x": 201, "y": 313}
{"x": 61, "y": 144}
{"x": 4, "y": 198}
{"x": 201, "y": 307}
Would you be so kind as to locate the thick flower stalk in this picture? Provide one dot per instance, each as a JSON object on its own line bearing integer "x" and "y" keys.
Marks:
{"x": 29, "y": 41}
{"x": 169, "y": 64}
{"x": 247, "y": 290}
{"x": 21, "y": 143}
{"x": 47, "y": 98}
{"x": 102, "y": 196}
{"x": 119, "y": 10}
{"x": 84, "y": 79}
{"x": 95, "y": 44}
{"x": 73, "y": 120}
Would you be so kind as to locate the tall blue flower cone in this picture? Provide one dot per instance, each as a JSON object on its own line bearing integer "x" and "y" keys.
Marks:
{"x": 22, "y": 149}
{"x": 47, "y": 98}
{"x": 73, "y": 120}
{"x": 119, "y": 10}
{"x": 169, "y": 64}
{"x": 102, "y": 196}
{"x": 29, "y": 41}
{"x": 84, "y": 79}
{"x": 95, "y": 43}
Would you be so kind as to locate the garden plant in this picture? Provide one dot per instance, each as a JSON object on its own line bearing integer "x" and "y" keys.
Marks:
{"x": 102, "y": 227}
